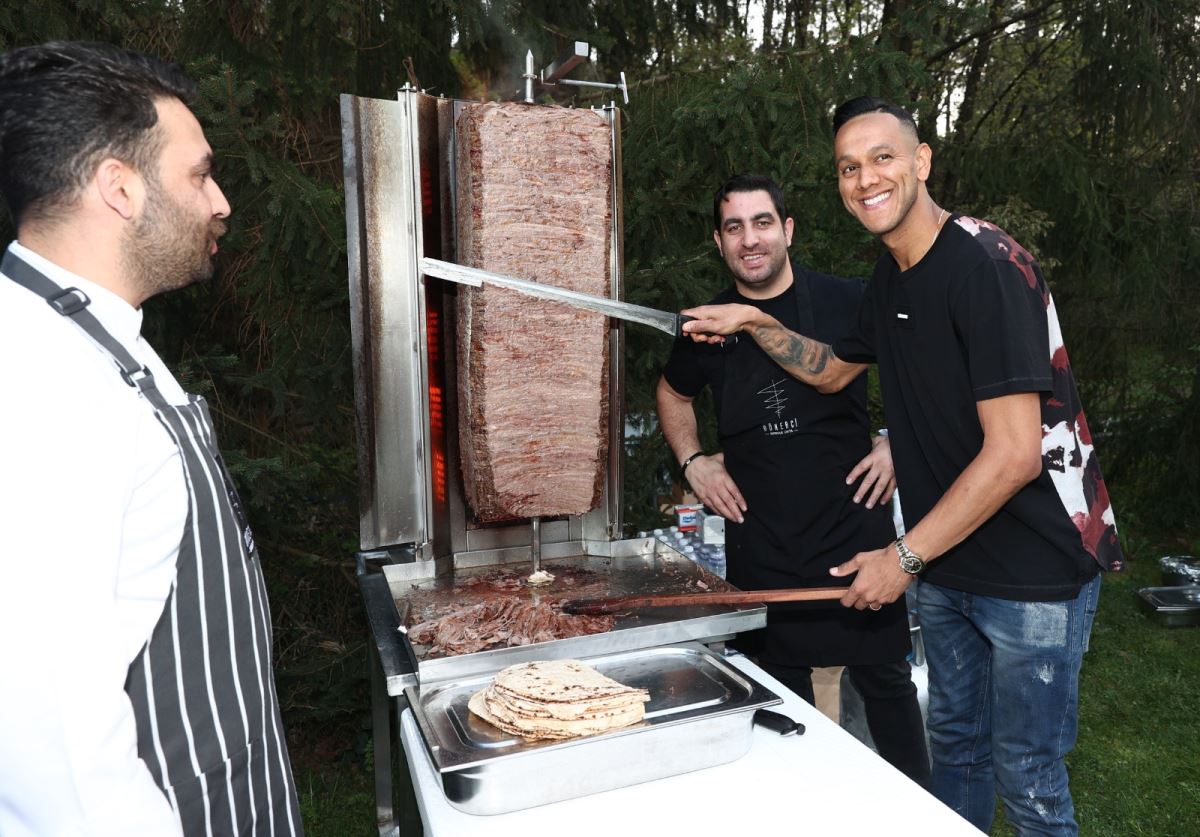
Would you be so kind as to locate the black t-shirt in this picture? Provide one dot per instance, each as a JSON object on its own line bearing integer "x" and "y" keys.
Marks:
{"x": 789, "y": 449}
{"x": 974, "y": 320}
{"x": 777, "y": 404}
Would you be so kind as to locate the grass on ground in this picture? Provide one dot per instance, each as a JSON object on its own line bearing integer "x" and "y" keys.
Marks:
{"x": 1134, "y": 767}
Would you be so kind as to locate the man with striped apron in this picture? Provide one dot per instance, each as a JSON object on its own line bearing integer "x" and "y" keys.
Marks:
{"x": 209, "y": 730}
{"x": 112, "y": 473}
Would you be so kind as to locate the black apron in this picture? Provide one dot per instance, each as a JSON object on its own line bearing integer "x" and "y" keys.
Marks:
{"x": 202, "y": 689}
{"x": 789, "y": 449}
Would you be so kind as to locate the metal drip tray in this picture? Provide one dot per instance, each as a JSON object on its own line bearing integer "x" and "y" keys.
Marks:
{"x": 1172, "y": 605}
{"x": 700, "y": 714}
{"x": 630, "y": 566}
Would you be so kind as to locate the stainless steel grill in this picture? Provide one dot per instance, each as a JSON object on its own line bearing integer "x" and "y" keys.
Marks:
{"x": 416, "y": 530}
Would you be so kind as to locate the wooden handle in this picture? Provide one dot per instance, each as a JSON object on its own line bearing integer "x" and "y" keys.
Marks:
{"x": 605, "y": 605}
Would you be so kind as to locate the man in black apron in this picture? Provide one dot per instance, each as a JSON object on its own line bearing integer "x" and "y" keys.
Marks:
{"x": 154, "y": 711}
{"x": 787, "y": 478}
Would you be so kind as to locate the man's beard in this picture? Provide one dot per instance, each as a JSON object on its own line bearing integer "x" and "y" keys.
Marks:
{"x": 775, "y": 262}
{"x": 167, "y": 248}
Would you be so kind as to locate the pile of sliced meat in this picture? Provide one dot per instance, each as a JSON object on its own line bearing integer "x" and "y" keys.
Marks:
{"x": 499, "y": 624}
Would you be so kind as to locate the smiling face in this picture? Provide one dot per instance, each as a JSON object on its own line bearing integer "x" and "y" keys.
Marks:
{"x": 172, "y": 243}
{"x": 882, "y": 168}
{"x": 754, "y": 241}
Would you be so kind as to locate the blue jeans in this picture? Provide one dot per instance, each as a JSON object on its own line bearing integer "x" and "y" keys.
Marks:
{"x": 1004, "y": 703}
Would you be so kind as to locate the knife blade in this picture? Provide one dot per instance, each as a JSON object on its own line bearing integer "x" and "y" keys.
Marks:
{"x": 662, "y": 320}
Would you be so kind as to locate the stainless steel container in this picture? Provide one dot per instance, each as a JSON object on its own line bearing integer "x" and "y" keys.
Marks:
{"x": 1172, "y": 606}
{"x": 635, "y": 566}
{"x": 700, "y": 714}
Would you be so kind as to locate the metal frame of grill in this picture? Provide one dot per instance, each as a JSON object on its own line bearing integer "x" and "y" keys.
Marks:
{"x": 415, "y": 524}
{"x": 400, "y": 207}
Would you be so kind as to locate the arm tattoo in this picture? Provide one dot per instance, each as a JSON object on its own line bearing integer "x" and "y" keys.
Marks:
{"x": 799, "y": 356}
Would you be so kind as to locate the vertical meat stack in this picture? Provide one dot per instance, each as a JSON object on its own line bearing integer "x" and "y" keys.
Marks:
{"x": 534, "y": 193}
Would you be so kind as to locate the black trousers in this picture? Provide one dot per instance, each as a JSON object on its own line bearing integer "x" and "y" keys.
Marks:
{"x": 892, "y": 711}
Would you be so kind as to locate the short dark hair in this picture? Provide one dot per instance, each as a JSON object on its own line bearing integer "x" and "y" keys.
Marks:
{"x": 64, "y": 107}
{"x": 869, "y": 104}
{"x": 748, "y": 183}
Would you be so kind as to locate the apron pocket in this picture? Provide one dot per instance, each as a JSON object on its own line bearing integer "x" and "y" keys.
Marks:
{"x": 224, "y": 791}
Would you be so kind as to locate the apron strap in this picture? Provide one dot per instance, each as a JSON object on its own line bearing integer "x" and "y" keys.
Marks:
{"x": 73, "y": 303}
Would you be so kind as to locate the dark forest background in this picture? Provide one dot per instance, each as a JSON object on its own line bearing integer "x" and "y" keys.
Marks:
{"x": 1075, "y": 125}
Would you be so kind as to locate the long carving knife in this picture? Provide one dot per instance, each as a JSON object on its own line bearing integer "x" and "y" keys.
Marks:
{"x": 662, "y": 320}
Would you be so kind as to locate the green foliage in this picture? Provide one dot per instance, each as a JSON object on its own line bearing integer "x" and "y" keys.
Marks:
{"x": 336, "y": 803}
{"x": 1093, "y": 128}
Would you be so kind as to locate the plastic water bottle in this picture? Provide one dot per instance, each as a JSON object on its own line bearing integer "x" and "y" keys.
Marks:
{"x": 717, "y": 562}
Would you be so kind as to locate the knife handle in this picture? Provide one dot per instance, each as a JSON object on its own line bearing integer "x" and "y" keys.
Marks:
{"x": 680, "y": 319}
{"x": 778, "y": 722}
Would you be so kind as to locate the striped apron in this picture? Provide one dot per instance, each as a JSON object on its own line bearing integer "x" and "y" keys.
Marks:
{"x": 202, "y": 689}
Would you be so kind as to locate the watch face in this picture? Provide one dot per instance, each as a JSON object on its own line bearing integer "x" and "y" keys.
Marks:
{"x": 911, "y": 564}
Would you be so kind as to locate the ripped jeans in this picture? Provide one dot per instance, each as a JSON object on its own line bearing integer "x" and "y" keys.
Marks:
{"x": 1004, "y": 703}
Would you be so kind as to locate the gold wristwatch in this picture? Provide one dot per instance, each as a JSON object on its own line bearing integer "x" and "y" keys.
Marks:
{"x": 910, "y": 562}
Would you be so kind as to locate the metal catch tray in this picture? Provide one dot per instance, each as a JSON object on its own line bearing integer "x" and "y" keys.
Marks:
{"x": 700, "y": 714}
{"x": 1172, "y": 605}
{"x": 640, "y": 565}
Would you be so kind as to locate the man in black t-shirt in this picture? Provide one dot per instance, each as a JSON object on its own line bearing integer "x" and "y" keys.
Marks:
{"x": 787, "y": 478}
{"x": 1007, "y": 516}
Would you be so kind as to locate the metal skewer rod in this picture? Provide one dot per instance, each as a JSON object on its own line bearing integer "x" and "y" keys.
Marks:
{"x": 529, "y": 77}
{"x": 535, "y": 542}
{"x": 623, "y": 87}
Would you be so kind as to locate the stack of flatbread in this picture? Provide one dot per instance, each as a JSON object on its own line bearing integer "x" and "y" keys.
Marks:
{"x": 557, "y": 699}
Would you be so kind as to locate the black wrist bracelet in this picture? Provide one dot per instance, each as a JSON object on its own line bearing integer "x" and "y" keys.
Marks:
{"x": 683, "y": 468}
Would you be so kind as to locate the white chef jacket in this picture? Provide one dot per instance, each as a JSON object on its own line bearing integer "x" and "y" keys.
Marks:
{"x": 92, "y": 508}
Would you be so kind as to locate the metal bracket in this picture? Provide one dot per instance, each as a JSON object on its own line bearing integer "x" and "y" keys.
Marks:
{"x": 566, "y": 62}
{"x": 554, "y": 74}
{"x": 398, "y": 554}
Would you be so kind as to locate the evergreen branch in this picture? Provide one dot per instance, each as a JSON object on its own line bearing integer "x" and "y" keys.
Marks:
{"x": 232, "y": 419}
{"x": 1029, "y": 65}
{"x": 986, "y": 31}
{"x": 307, "y": 556}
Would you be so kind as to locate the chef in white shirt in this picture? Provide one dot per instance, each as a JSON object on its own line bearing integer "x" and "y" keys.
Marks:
{"x": 135, "y": 645}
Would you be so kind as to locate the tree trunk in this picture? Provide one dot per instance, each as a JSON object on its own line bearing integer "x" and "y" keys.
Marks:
{"x": 966, "y": 110}
{"x": 844, "y": 18}
{"x": 803, "y": 16}
{"x": 892, "y": 29}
